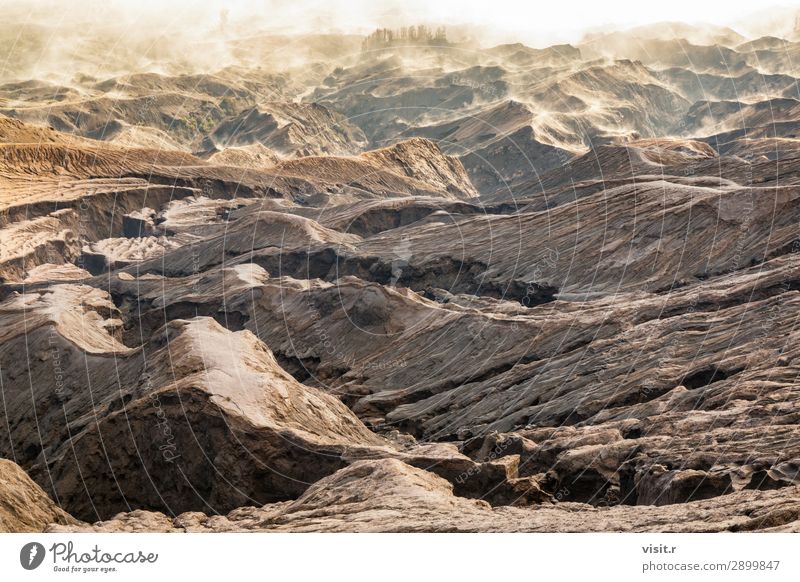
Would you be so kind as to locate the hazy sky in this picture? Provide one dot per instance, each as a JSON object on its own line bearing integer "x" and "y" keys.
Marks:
{"x": 531, "y": 17}
{"x": 535, "y": 21}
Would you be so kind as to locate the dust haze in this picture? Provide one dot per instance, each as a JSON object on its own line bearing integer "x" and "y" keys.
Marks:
{"x": 55, "y": 41}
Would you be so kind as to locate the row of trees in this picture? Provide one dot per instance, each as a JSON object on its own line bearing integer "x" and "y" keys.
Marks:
{"x": 406, "y": 35}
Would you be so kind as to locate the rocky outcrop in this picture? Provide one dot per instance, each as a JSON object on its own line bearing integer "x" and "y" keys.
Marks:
{"x": 389, "y": 496}
{"x": 249, "y": 156}
{"x": 643, "y": 426}
{"x": 293, "y": 130}
{"x": 24, "y": 507}
{"x": 422, "y": 160}
{"x": 180, "y": 412}
{"x": 413, "y": 167}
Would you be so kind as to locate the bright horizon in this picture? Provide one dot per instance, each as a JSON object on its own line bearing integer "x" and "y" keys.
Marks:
{"x": 538, "y": 24}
